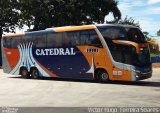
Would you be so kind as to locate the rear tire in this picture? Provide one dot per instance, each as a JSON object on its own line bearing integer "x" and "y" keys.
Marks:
{"x": 35, "y": 74}
{"x": 102, "y": 76}
{"x": 24, "y": 73}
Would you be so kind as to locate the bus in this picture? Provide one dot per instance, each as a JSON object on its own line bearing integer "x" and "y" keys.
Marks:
{"x": 99, "y": 52}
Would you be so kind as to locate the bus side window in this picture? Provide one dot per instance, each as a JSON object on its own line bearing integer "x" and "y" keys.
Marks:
{"x": 7, "y": 42}
{"x": 95, "y": 41}
{"x": 50, "y": 40}
{"x": 71, "y": 38}
{"x": 54, "y": 40}
{"x": 89, "y": 37}
{"x": 26, "y": 39}
{"x": 15, "y": 41}
{"x": 39, "y": 40}
{"x": 84, "y": 38}
{"x": 113, "y": 33}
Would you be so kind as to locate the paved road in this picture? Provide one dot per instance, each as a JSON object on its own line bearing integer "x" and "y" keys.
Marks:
{"x": 17, "y": 92}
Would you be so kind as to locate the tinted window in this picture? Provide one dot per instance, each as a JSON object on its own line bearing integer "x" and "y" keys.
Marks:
{"x": 135, "y": 35}
{"x": 89, "y": 37}
{"x": 122, "y": 33}
{"x": 74, "y": 38}
{"x": 26, "y": 39}
{"x": 11, "y": 42}
{"x": 84, "y": 38}
{"x": 128, "y": 54}
{"x": 113, "y": 33}
{"x": 117, "y": 52}
{"x": 94, "y": 40}
{"x": 15, "y": 41}
{"x": 54, "y": 40}
{"x": 121, "y": 53}
{"x": 39, "y": 40}
{"x": 7, "y": 42}
{"x": 71, "y": 38}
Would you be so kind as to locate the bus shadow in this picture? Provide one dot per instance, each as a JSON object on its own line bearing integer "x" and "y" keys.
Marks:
{"x": 137, "y": 83}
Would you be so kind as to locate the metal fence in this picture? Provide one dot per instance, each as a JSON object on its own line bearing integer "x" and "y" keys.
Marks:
{"x": 155, "y": 59}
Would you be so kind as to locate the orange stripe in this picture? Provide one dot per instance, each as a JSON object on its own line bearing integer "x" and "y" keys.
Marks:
{"x": 73, "y": 28}
{"x": 137, "y": 45}
{"x": 13, "y": 35}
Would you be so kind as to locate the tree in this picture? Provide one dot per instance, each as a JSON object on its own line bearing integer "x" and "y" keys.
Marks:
{"x": 158, "y": 33}
{"x": 66, "y": 12}
{"x": 146, "y": 34}
{"x": 9, "y": 16}
{"x": 126, "y": 21}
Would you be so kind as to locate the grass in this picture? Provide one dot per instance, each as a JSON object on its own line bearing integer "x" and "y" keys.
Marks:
{"x": 154, "y": 53}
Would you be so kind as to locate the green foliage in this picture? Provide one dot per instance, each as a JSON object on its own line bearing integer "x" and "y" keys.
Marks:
{"x": 48, "y": 13}
{"x": 126, "y": 21}
{"x": 154, "y": 53}
{"x": 9, "y": 16}
{"x": 158, "y": 33}
{"x": 146, "y": 34}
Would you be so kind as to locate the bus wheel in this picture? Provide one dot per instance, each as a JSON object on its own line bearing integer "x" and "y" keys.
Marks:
{"x": 25, "y": 73}
{"x": 35, "y": 74}
{"x": 102, "y": 76}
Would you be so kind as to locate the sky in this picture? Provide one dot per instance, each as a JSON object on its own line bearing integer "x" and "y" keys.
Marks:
{"x": 146, "y": 12}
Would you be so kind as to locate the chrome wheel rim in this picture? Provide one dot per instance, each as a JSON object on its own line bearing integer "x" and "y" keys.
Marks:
{"x": 104, "y": 76}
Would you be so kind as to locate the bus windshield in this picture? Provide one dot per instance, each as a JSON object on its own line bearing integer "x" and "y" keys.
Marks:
{"x": 135, "y": 35}
{"x": 142, "y": 59}
{"x": 122, "y": 33}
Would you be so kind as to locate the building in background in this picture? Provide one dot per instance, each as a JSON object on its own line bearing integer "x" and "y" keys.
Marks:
{"x": 154, "y": 44}
{"x": 157, "y": 40}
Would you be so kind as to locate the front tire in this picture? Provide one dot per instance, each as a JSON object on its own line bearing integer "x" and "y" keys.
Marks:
{"x": 102, "y": 76}
{"x": 35, "y": 74}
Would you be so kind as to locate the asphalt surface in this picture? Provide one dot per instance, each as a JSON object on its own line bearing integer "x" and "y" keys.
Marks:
{"x": 18, "y": 92}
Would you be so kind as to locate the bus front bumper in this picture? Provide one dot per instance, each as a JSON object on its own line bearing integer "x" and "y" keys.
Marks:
{"x": 142, "y": 76}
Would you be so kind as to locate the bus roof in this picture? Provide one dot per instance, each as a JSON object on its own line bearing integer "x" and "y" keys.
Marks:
{"x": 56, "y": 29}
{"x": 116, "y": 25}
{"x": 66, "y": 28}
